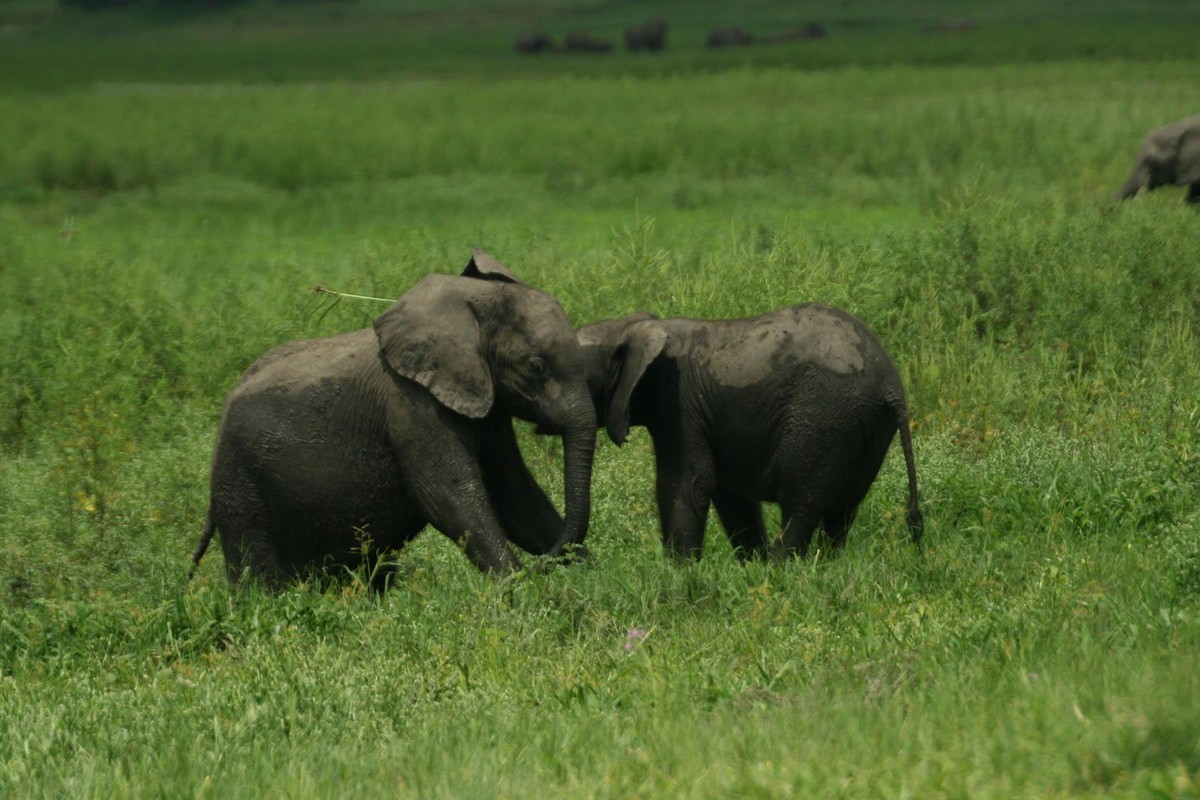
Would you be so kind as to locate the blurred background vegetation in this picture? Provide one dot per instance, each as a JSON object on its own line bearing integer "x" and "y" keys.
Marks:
{"x": 46, "y": 44}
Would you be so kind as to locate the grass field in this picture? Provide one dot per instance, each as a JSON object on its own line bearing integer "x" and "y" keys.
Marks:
{"x": 171, "y": 183}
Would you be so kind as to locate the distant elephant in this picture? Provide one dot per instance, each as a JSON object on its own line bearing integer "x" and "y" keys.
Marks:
{"x": 1170, "y": 155}
{"x": 728, "y": 37}
{"x": 379, "y": 431}
{"x": 953, "y": 25}
{"x": 586, "y": 43}
{"x": 796, "y": 407}
{"x": 813, "y": 30}
{"x": 647, "y": 36}
{"x": 534, "y": 43}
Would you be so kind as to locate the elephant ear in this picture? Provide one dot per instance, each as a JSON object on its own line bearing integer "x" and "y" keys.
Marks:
{"x": 640, "y": 345}
{"x": 484, "y": 267}
{"x": 431, "y": 336}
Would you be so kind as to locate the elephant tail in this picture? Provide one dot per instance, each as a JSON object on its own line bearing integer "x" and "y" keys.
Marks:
{"x": 210, "y": 528}
{"x": 913, "y": 518}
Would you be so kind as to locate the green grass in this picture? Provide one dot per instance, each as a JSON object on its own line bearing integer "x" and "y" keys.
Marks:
{"x": 171, "y": 188}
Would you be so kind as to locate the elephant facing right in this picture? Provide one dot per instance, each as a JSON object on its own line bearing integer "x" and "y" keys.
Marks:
{"x": 796, "y": 407}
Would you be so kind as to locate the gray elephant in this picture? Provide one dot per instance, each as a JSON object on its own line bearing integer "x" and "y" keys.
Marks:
{"x": 534, "y": 43}
{"x": 813, "y": 30}
{"x": 728, "y": 37}
{"x": 379, "y": 431}
{"x": 650, "y": 36}
{"x": 1170, "y": 155}
{"x": 953, "y": 25}
{"x": 796, "y": 407}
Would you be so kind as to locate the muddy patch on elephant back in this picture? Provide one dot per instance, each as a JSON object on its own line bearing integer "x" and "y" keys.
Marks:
{"x": 802, "y": 335}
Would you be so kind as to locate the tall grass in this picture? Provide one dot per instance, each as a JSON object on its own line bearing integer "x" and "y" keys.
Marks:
{"x": 154, "y": 239}
{"x": 870, "y": 136}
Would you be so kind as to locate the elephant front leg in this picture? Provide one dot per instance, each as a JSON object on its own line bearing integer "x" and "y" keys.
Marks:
{"x": 684, "y": 490}
{"x": 1193, "y": 195}
{"x": 486, "y": 549}
{"x": 527, "y": 516}
{"x": 468, "y": 520}
{"x": 447, "y": 480}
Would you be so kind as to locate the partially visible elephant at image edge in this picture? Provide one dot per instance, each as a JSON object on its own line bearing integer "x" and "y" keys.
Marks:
{"x": 1169, "y": 156}
{"x": 379, "y": 431}
{"x": 796, "y": 407}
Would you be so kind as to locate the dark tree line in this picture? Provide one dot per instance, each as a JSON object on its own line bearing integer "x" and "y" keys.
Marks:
{"x": 100, "y": 5}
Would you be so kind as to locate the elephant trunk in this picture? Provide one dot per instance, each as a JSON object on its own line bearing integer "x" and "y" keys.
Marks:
{"x": 579, "y": 445}
{"x": 1134, "y": 182}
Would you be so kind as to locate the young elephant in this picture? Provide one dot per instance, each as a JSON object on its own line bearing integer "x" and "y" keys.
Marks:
{"x": 1170, "y": 155}
{"x": 796, "y": 407}
{"x": 380, "y": 431}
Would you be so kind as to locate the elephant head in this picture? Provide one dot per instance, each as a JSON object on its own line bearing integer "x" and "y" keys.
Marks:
{"x": 485, "y": 343}
{"x": 1169, "y": 155}
{"x": 617, "y": 353}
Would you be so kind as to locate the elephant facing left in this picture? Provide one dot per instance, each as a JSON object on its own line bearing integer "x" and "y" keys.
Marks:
{"x": 1169, "y": 156}
{"x": 795, "y": 407}
{"x": 377, "y": 432}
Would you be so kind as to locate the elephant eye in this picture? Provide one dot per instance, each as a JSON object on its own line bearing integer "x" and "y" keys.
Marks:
{"x": 537, "y": 366}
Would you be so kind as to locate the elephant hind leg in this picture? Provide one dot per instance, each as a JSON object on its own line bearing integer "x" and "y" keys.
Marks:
{"x": 799, "y": 524}
{"x": 1193, "y": 195}
{"x": 858, "y": 479}
{"x": 837, "y": 525}
{"x": 244, "y": 530}
{"x": 249, "y": 555}
{"x": 743, "y": 523}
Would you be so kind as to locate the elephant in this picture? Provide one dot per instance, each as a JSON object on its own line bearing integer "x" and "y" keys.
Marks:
{"x": 953, "y": 25}
{"x": 534, "y": 43}
{"x": 377, "y": 432}
{"x": 813, "y": 30}
{"x": 1169, "y": 155}
{"x": 728, "y": 37}
{"x": 650, "y": 35}
{"x": 796, "y": 407}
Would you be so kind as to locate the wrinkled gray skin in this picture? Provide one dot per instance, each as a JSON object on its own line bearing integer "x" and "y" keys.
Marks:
{"x": 1169, "y": 156}
{"x": 386, "y": 429}
{"x": 796, "y": 407}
